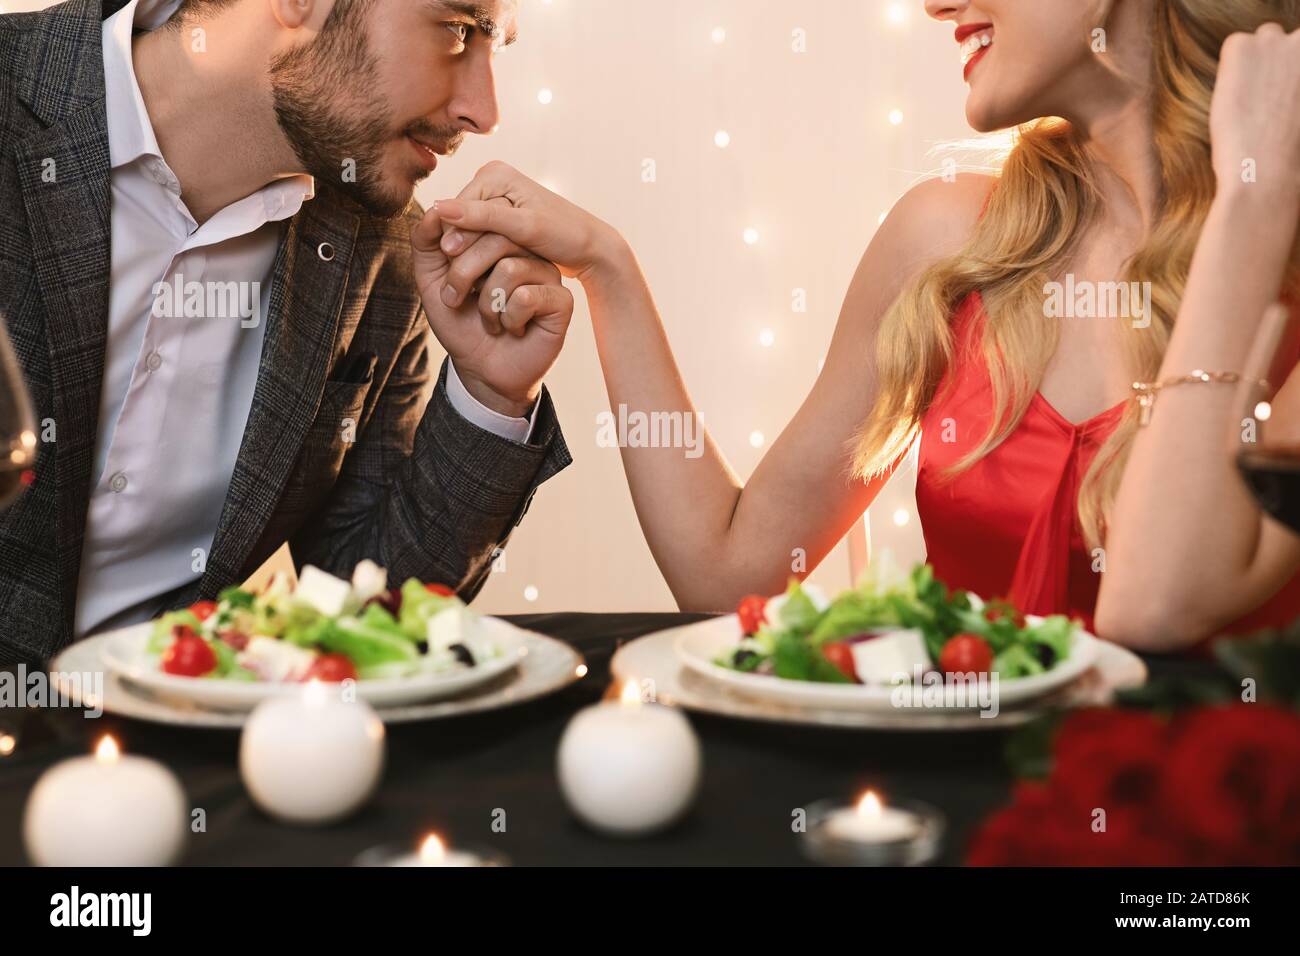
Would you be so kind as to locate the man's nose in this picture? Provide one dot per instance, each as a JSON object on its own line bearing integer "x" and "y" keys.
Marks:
{"x": 475, "y": 103}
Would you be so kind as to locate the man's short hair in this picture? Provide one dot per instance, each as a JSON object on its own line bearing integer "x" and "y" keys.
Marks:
{"x": 192, "y": 9}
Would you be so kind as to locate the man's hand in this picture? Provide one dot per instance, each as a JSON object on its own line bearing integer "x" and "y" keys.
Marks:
{"x": 501, "y": 200}
{"x": 505, "y": 338}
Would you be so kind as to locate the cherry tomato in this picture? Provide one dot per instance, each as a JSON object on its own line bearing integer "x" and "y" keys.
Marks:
{"x": 440, "y": 589}
{"x": 751, "y": 613}
{"x": 841, "y": 655}
{"x": 203, "y": 609}
{"x": 332, "y": 669}
{"x": 966, "y": 654}
{"x": 1001, "y": 609}
{"x": 235, "y": 639}
{"x": 189, "y": 655}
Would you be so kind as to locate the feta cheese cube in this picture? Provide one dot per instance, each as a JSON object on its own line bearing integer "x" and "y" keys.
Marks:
{"x": 446, "y": 628}
{"x": 891, "y": 657}
{"x": 276, "y": 661}
{"x": 324, "y": 592}
{"x": 368, "y": 580}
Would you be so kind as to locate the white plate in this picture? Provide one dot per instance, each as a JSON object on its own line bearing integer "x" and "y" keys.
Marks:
{"x": 545, "y": 666}
{"x": 125, "y": 654}
{"x": 699, "y": 645}
{"x": 654, "y": 659}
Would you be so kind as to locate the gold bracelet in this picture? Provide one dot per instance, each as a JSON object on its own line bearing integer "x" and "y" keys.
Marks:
{"x": 1146, "y": 392}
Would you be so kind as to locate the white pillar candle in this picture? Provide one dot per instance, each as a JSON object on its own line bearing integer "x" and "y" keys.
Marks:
{"x": 629, "y": 768}
{"x": 312, "y": 757}
{"x": 872, "y": 822}
{"x": 106, "y": 810}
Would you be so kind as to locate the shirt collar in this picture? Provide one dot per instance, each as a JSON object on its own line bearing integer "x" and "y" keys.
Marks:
{"x": 130, "y": 131}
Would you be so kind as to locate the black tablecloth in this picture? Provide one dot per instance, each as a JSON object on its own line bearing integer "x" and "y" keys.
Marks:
{"x": 453, "y": 775}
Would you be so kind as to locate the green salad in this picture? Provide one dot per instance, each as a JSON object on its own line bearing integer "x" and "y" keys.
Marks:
{"x": 324, "y": 628}
{"x": 879, "y": 631}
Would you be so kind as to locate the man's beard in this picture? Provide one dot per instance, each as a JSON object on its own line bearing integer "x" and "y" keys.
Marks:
{"x": 338, "y": 135}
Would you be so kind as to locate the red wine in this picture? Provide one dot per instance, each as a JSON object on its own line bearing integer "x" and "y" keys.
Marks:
{"x": 1273, "y": 476}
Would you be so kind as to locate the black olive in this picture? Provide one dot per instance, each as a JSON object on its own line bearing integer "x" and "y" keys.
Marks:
{"x": 742, "y": 657}
{"x": 462, "y": 654}
{"x": 1046, "y": 656}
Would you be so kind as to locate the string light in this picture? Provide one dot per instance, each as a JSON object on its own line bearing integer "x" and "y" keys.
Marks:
{"x": 895, "y": 117}
{"x": 766, "y": 338}
{"x": 545, "y": 97}
{"x": 756, "y": 439}
{"x": 901, "y": 517}
{"x": 530, "y": 594}
{"x": 896, "y": 13}
{"x": 722, "y": 139}
{"x": 751, "y": 236}
{"x": 719, "y": 35}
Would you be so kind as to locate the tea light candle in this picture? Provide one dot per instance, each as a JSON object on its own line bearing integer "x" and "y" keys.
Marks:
{"x": 432, "y": 852}
{"x": 105, "y": 810}
{"x": 872, "y": 834}
{"x": 872, "y": 822}
{"x": 629, "y": 768}
{"x": 312, "y": 757}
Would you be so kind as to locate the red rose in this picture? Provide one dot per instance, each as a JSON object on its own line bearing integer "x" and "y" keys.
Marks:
{"x": 1232, "y": 784}
{"x": 1109, "y": 760}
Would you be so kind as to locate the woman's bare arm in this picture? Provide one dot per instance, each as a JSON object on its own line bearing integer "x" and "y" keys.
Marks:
{"x": 1188, "y": 550}
{"x": 714, "y": 537}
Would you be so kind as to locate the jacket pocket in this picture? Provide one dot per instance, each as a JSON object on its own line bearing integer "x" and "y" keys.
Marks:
{"x": 332, "y": 435}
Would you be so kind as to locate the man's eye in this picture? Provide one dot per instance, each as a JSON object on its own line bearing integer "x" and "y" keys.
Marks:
{"x": 459, "y": 30}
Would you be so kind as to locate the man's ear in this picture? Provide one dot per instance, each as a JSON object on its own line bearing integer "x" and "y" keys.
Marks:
{"x": 296, "y": 14}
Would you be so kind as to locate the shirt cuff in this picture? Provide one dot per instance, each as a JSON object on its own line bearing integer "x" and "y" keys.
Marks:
{"x": 476, "y": 413}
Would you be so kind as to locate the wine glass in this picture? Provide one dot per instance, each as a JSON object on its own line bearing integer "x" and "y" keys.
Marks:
{"x": 17, "y": 426}
{"x": 1268, "y": 453}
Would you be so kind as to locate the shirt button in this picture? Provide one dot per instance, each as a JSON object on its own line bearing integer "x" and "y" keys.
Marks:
{"x": 118, "y": 483}
{"x": 153, "y": 362}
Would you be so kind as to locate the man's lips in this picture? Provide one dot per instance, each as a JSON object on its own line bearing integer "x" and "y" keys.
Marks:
{"x": 428, "y": 154}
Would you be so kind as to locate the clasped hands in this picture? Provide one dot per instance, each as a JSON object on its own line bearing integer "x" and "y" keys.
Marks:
{"x": 489, "y": 266}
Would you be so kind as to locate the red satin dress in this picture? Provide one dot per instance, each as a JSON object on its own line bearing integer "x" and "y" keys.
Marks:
{"x": 1007, "y": 526}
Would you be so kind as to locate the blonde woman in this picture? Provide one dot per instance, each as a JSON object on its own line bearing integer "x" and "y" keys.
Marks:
{"x": 1037, "y": 479}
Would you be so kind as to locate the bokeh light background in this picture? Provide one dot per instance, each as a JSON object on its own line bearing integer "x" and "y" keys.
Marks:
{"x": 818, "y": 145}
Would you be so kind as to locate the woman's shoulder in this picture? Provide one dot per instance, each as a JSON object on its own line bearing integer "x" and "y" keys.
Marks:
{"x": 935, "y": 218}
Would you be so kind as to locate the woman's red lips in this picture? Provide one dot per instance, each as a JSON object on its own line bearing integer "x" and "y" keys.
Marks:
{"x": 966, "y": 29}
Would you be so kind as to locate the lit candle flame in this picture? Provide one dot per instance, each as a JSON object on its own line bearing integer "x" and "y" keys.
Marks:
{"x": 870, "y": 806}
{"x": 107, "y": 751}
{"x": 432, "y": 851}
{"x": 630, "y": 696}
{"x": 314, "y": 693}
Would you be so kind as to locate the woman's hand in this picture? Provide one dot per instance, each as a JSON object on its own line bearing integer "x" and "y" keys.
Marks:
{"x": 517, "y": 289}
{"x": 1255, "y": 116}
{"x": 502, "y": 205}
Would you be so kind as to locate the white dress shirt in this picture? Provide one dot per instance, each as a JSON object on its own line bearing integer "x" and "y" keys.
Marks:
{"x": 177, "y": 390}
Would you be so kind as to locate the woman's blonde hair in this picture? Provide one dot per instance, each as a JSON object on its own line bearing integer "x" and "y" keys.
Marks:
{"x": 1045, "y": 196}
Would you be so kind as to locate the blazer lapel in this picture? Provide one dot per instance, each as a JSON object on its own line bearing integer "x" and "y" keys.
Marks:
{"x": 63, "y": 172}
{"x": 307, "y": 294}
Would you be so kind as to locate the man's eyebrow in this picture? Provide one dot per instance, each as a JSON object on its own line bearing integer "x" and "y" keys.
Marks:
{"x": 478, "y": 13}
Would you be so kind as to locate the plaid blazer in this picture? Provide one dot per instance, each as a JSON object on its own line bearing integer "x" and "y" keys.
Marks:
{"x": 417, "y": 489}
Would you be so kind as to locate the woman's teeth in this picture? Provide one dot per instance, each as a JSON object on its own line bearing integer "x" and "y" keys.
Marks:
{"x": 973, "y": 44}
